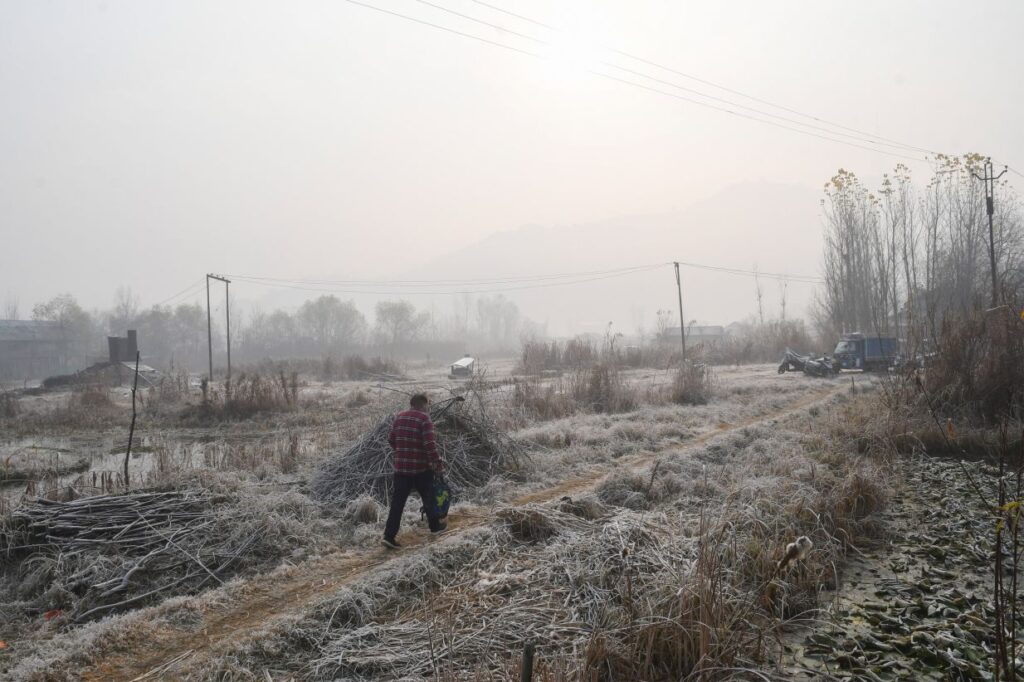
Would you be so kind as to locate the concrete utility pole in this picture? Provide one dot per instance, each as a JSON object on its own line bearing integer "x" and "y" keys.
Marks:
{"x": 682, "y": 321}
{"x": 209, "y": 323}
{"x": 209, "y": 328}
{"x": 990, "y": 201}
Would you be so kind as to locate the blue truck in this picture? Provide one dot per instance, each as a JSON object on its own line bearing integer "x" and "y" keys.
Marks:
{"x": 866, "y": 352}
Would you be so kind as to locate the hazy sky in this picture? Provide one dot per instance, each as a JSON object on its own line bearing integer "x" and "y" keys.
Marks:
{"x": 145, "y": 143}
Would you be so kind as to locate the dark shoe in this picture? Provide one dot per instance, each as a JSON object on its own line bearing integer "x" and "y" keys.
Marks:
{"x": 390, "y": 543}
{"x": 443, "y": 528}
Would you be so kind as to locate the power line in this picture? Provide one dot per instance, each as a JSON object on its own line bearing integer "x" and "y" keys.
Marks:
{"x": 861, "y": 137}
{"x": 511, "y": 279}
{"x": 198, "y": 283}
{"x": 781, "y": 276}
{"x": 444, "y": 28}
{"x": 636, "y": 85}
{"x": 442, "y": 287}
{"x": 444, "y": 292}
{"x": 724, "y": 88}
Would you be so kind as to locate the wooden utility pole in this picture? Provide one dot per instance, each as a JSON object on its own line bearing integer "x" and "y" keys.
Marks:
{"x": 131, "y": 429}
{"x": 209, "y": 321}
{"x": 682, "y": 322}
{"x": 990, "y": 200}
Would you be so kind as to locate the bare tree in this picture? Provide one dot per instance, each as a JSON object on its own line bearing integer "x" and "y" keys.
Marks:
{"x": 126, "y": 309}
{"x": 902, "y": 261}
{"x": 398, "y": 321}
{"x": 10, "y": 311}
{"x": 331, "y": 322}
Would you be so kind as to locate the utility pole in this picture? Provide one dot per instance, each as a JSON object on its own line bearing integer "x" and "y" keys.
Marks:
{"x": 209, "y": 323}
{"x": 209, "y": 328}
{"x": 682, "y": 321}
{"x": 990, "y": 200}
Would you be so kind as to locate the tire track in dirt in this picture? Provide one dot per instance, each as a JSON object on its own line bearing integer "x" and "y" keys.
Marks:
{"x": 147, "y": 654}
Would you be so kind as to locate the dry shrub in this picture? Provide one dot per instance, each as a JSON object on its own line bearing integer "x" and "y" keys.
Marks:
{"x": 357, "y": 399}
{"x": 602, "y": 389}
{"x": 9, "y": 407}
{"x": 625, "y": 489}
{"x": 978, "y": 367}
{"x": 586, "y": 507}
{"x": 172, "y": 388}
{"x": 288, "y": 461}
{"x": 527, "y": 524}
{"x": 250, "y": 395}
{"x": 693, "y": 384}
{"x": 535, "y": 402}
{"x": 364, "y": 509}
{"x": 354, "y": 367}
{"x": 92, "y": 394}
{"x": 860, "y": 494}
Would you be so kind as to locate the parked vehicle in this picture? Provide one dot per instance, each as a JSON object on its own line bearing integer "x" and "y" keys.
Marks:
{"x": 866, "y": 352}
{"x": 816, "y": 367}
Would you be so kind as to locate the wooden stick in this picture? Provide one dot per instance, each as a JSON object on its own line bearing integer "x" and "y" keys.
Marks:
{"x": 131, "y": 430}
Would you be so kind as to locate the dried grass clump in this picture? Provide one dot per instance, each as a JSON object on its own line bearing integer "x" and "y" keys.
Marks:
{"x": 364, "y": 509}
{"x": 860, "y": 494}
{"x": 527, "y": 524}
{"x": 536, "y": 402}
{"x": 9, "y": 406}
{"x": 625, "y": 489}
{"x": 355, "y": 367}
{"x": 693, "y": 384}
{"x": 249, "y": 395}
{"x": 586, "y": 507}
{"x": 91, "y": 395}
{"x": 538, "y": 357}
{"x": 603, "y": 389}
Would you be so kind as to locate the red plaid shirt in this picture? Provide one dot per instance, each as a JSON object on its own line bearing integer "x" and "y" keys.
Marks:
{"x": 412, "y": 439}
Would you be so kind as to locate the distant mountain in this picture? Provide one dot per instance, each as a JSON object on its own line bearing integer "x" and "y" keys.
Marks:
{"x": 776, "y": 227}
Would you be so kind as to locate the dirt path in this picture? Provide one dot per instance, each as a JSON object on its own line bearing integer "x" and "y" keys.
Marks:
{"x": 262, "y": 600}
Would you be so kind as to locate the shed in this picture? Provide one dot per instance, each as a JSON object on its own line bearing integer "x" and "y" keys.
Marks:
{"x": 706, "y": 334}
{"x": 32, "y": 348}
{"x": 463, "y": 367}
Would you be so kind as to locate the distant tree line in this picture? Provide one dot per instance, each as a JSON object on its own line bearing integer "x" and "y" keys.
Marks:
{"x": 320, "y": 327}
{"x": 903, "y": 258}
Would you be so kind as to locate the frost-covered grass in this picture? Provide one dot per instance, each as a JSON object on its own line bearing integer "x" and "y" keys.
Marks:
{"x": 669, "y": 570}
{"x": 581, "y": 443}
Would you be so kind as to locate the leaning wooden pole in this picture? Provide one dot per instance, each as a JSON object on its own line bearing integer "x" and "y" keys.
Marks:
{"x": 131, "y": 429}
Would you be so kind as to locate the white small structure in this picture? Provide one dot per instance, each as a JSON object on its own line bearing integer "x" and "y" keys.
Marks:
{"x": 462, "y": 368}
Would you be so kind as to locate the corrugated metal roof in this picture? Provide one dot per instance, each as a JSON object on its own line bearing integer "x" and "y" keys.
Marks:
{"x": 30, "y": 330}
{"x": 464, "y": 362}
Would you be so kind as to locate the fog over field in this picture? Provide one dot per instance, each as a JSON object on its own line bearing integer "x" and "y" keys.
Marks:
{"x": 145, "y": 144}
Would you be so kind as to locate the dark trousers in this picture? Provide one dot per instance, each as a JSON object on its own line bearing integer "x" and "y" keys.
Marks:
{"x": 404, "y": 484}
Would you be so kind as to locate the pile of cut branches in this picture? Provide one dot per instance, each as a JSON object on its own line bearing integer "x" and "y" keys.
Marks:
{"x": 97, "y": 555}
{"x": 474, "y": 448}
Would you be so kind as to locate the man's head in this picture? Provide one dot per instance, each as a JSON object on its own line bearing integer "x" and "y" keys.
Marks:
{"x": 419, "y": 401}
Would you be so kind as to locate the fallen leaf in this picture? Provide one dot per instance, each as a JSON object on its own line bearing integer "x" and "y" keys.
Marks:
{"x": 54, "y": 613}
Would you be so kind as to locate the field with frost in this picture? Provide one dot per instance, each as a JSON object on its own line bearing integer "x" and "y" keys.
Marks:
{"x": 634, "y": 538}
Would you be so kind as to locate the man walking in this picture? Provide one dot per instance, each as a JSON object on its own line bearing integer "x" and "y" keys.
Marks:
{"x": 416, "y": 463}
